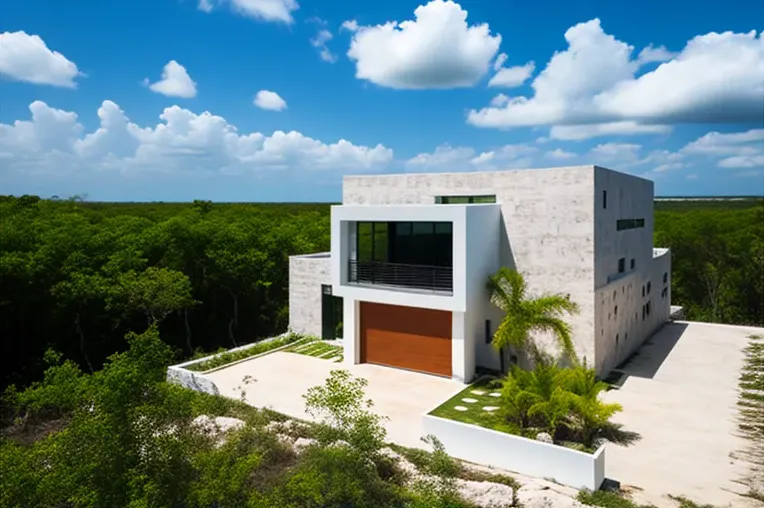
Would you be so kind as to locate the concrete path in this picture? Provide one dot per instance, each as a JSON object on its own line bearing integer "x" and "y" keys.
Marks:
{"x": 282, "y": 378}
{"x": 681, "y": 397}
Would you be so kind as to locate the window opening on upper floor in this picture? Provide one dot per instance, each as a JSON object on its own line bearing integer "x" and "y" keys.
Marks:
{"x": 464, "y": 200}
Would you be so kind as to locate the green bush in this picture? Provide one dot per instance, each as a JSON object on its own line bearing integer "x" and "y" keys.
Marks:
{"x": 127, "y": 440}
{"x": 565, "y": 402}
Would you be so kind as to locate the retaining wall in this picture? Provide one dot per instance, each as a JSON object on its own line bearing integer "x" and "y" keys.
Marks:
{"x": 514, "y": 453}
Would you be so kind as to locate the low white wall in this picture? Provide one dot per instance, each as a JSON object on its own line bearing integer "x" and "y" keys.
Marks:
{"x": 194, "y": 380}
{"x": 514, "y": 453}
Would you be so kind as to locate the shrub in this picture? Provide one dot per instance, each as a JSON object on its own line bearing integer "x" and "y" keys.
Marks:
{"x": 563, "y": 401}
{"x": 345, "y": 413}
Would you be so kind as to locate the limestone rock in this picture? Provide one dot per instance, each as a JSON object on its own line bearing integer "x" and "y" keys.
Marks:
{"x": 406, "y": 466}
{"x": 546, "y": 499}
{"x": 301, "y": 443}
{"x": 544, "y": 437}
{"x": 485, "y": 494}
{"x": 218, "y": 424}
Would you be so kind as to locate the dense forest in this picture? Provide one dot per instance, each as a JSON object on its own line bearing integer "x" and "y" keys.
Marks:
{"x": 77, "y": 276}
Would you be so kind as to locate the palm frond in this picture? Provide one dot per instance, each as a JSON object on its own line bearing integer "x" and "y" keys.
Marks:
{"x": 561, "y": 331}
{"x": 554, "y": 305}
{"x": 507, "y": 288}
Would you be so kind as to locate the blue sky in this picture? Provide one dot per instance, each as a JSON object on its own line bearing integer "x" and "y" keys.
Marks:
{"x": 275, "y": 100}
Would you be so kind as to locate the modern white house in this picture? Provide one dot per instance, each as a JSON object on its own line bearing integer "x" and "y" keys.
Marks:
{"x": 405, "y": 282}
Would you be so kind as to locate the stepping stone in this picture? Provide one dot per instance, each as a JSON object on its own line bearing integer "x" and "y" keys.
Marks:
{"x": 469, "y": 401}
{"x": 460, "y": 408}
{"x": 490, "y": 408}
{"x": 478, "y": 392}
{"x": 495, "y": 394}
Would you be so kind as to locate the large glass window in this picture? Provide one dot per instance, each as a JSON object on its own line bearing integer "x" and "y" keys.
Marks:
{"x": 410, "y": 243}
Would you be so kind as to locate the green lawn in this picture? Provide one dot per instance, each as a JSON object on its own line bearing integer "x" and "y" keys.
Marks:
{"x": 318, "y": 349}
{"x": 475, "y": 414}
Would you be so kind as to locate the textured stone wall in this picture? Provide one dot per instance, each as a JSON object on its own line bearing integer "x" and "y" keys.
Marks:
{"x": 306, "y": 275}
{"x": 620, "y": 326}
{"x": 547, "y": 228}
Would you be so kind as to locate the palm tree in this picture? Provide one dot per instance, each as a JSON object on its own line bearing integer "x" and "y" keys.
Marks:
{"x": 525, "y": 315}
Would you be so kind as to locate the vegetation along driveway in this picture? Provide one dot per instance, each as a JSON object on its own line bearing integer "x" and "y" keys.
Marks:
{"x": 680, "y": 393}
{"x": 281, "y": 379}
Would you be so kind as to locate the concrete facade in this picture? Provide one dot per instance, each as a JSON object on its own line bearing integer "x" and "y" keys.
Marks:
{"x": 475, "y": 257}
{"x": 479, "y": 445}
{"x": 306, "y": 275}
{"x": 553, "y": 227}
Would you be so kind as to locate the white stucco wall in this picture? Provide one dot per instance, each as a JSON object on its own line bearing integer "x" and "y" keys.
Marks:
{"x": 547, "y": 228}
{"x": 483, "y": 242}
{"x": 306, "y": 275}
{"x": 514, "y": 453}
{"x": 476, "y": 246}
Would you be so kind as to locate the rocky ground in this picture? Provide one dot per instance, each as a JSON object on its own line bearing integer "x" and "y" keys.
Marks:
{"x": 528, "y": 492}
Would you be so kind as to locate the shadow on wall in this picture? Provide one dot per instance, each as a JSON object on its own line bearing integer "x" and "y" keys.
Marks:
{"x": 506, "y": 256}
{"x": 648, "y": 358}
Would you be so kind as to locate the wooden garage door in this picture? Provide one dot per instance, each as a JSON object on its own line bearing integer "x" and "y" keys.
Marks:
{"x": 406, "y": 337}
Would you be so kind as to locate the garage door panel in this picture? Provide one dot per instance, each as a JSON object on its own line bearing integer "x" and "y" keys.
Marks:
{"x": 406, "y": 337}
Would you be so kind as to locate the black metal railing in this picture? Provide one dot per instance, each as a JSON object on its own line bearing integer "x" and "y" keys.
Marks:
{"x": 439, "y": 278}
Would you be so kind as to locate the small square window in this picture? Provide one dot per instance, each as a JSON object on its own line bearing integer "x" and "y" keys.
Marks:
{"x": 604, "y": 199}
{"x": 621, "y": 265}
{"x": 488, "y": 331}
{"x": 665, "y": 277}
{"x": 643, "y": 291}
{"x": 649, "y": 287}
{"x": 633, "y": 262}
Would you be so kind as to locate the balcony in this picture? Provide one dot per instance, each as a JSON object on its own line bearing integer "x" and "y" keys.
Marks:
{"x": 423, "y": 277}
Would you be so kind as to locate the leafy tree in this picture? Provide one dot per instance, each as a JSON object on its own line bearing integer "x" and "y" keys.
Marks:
{"x": 156, "y": 292}
{"x": 525, "y": 315}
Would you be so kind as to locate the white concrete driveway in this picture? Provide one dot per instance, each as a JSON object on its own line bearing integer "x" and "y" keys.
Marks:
{"x": 282, "y": 378}
{"x": 681, "y": 397}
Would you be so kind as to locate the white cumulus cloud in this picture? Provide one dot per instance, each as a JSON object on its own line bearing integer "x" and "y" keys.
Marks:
{"x": 654, "y": 54}
{"x": 264, "y": 10}
{"x": 182, "y": 141}
{"x": 731, "y": 150}
{"x": 27, "y": 58}
{"x": 319, "y": 42}
{"x": 350, "y": 25}
{"x": 438, "y": 49}
{"x": 175, "y": 82}
{"x": 624, "y": 128}
{"x": 559, "y": 154}
{"x": 265, "y": 99}
{"x": 716, "y": 78}
{"x": 511, "y": 77}
{"x": 448, "y": 158}
{"x": 205, "y": 6}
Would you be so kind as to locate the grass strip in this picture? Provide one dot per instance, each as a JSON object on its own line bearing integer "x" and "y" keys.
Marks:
{"x": 258, "y": 348}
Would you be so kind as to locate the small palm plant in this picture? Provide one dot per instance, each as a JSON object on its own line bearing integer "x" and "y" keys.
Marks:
{"x": 526, "y": 315}
{"x": 589, "y": 416}
{"x": 535, "y": 398}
